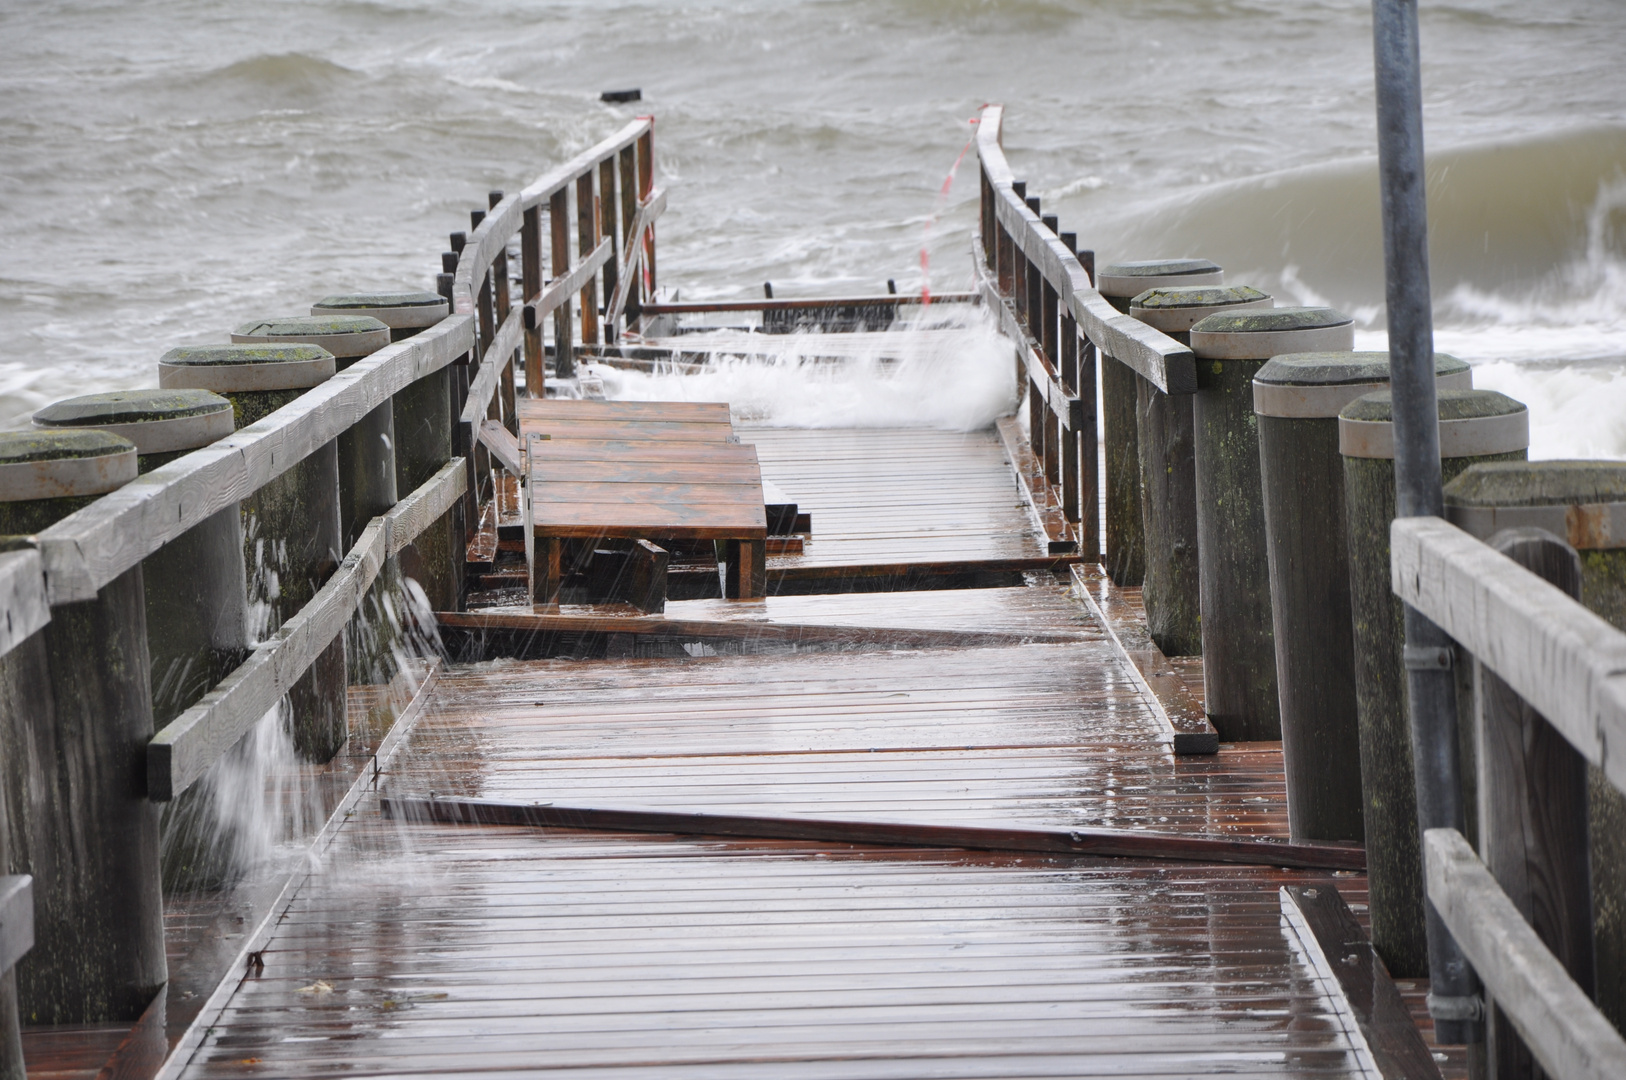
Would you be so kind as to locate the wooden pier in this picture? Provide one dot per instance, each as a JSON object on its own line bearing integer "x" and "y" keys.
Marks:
{"x": 755, "y": 751}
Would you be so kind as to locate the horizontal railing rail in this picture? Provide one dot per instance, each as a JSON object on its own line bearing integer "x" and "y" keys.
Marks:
{"x": 185, "y": 748}
{"x": 1569, "y": 665}
{"x": 1566, "y": 661}
{"x": 88, "y": 549}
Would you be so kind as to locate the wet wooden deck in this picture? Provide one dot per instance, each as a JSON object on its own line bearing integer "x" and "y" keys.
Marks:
{"x": 424, "y": 944}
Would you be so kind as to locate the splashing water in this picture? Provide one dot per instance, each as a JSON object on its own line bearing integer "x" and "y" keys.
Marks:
{"x": 949, "y": 370}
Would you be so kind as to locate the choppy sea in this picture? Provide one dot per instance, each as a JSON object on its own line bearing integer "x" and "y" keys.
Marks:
{"x": 171, "y": 168}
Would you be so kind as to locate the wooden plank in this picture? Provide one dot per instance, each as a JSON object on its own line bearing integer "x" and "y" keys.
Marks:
{"x": 642, "y": 450}
{"x": 90, "y": 548}
{"x": 561, "y": 289}
{"x": 499, "y": 355}
{"x": 661, "y": 470}
{"x": 565, "y": 492}
{"x": 1345, "y": 957}
{"x": 1568, "y": 663}
{"x": 16, "y": 919}
{"x": 693, "y": 629}
{"x": 22, "y": 597}
{"x": 189, "y": 744}
{"x": 649, "y": 520}
{"x": 812, "y": 303}
{"x": 628, "y": 274}
{"x": 1167, "y": 689}
{"x": 502, "y": 444}
{"x": 1094, "y": 842}
{"x": 626, "y": 431}
{"x": 1563, "y": 1028}
{"x": 706, "y": 412}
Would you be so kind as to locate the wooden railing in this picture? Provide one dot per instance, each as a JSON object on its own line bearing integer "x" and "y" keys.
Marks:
{"x": 1568, "y": 665}
{"x": 1042, "y": 290}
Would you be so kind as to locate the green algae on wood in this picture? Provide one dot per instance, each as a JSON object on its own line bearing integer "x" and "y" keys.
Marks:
{"x": 1393, "y": 853}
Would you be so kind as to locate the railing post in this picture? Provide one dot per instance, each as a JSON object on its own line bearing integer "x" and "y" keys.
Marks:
{"x": 503, "y": 295}
{"x": 1165, "y": 438}
{"x": 1584, "y": 502}
{"x": 628, "y": 169}
{"x": 646, "y": 186}
{"x": 587, "y": 232}
{"x": 530, "y": 263}
{"x": 609, "y": 229}
{"x": 564, "y": 362}
{"x": 292, "y": 536}
{"x": 1533, "y": 809}
{"x": 74, "y": 735}
{"x": 1389, "y": 782}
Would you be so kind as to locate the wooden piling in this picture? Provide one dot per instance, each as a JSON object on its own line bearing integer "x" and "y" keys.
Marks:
{"x": 1125, "y": 538}
{"x": 75, "y": 717}
{"x": 1239, "y": 655}
{"x": 367, "y": 479}
{"x": 1476, "y": 425}
{"x": 196, "y": 599}
{"x": 1584, "y": 503}
{"x": 291, "y": 532}
{"x": 1297, "y": 399}
{"x": 423, "y": 420}
{"x": 1171, "y": 591}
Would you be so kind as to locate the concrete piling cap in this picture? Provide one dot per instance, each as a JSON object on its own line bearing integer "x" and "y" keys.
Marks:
{"x": 1126, "y": 279}
{"x": 156, "y": 421}
{"x": 398, "y": 311}
{"x": 1582, "y": 501}
{"x": 1320, "y": 384}
{"x": 345, "y": 336}
{"x": 1261, "y": 333}
{"x": 234, "y": 369}
{"x": 1473, "y": 423}
{"x": 57, "y": 464}
{"x": 1175, "y": 309}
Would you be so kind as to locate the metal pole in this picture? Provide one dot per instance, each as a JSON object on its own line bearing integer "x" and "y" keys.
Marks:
{"x": 1453, "y": 999}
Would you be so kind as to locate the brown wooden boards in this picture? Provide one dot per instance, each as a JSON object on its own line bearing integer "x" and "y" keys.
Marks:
{"x": 455, "y": 949}
{"x": 653, "y": 471}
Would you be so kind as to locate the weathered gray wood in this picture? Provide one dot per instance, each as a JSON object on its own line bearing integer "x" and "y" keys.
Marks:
{"x": 1533, "y": 808}
{"x": 1585, "y": 503}
{"x": 16, "y": 917}
{"x": 1124, "y": 539}
{"x": 503, "y": 446}
{"x": 90, "y": 548}
{"x": 560, "y": 290}
{"x": 16, "y": 938}
{"x": 22, "y": 597}
{"x": 632, "y": 257}
{"x": 1388, "y": 783}
{"x": 1171, "y": 590}
{"x": 181, "y": 752}
{"x": 1566, "y": 661}
{"x": 1567, "y": 1033}
{"x": 1069, "y": 407}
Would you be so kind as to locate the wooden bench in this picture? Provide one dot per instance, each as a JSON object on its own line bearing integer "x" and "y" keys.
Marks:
{"x": 634, "y": 470}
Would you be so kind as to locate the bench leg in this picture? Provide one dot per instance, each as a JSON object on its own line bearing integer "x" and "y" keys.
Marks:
{"x": 747, "y": 577}
{"x": 547, "y": 570}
